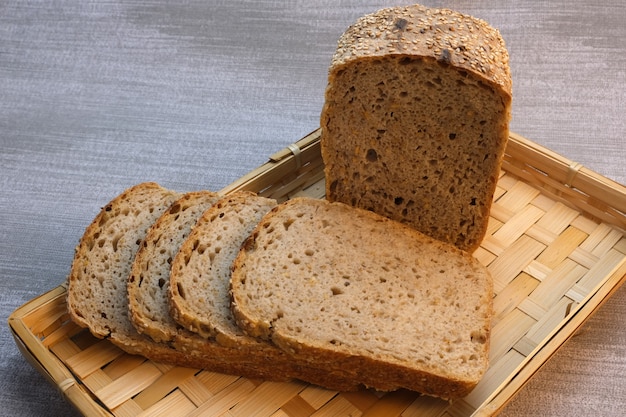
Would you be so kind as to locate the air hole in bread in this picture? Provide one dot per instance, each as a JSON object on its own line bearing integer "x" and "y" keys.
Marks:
{"x": 288, "y": 223}
{"x": 336, "y": 290}
{"x": 372, "y": 155}
{"x": 181, "y": 291}
{"x": 115, "y": 241}
{"x": 404, "y": 60}
{"x": 175, "y": 208}
{"x": 478, "y": 337}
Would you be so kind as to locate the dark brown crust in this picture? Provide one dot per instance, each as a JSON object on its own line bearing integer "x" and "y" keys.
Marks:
{"x": 445, "y": 35}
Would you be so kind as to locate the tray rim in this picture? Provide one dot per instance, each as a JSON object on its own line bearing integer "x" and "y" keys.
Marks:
{"x": 562, "y": 171}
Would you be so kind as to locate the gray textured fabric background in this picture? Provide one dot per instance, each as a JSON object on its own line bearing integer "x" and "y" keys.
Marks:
{"x": 98, "y": 96}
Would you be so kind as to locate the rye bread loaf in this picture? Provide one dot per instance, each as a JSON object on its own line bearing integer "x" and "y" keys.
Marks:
{"x": 350, "y": 290}
{"x": 415, "y": 120}
{"x": 148, "y": 298}
{"x": 97, "y": 296}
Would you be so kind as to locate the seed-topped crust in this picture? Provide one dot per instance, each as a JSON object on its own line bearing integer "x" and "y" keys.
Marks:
{"x": 445, "y": 35}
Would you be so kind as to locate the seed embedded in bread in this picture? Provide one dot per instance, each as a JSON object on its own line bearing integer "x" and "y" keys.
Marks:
{"x": 415, "y": 121}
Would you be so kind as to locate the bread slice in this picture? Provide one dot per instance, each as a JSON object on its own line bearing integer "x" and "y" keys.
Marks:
{"x": 97, "y": 282}
{"x": 150, "y": 273}
{"x": 97, "y": 296}
{"x": 349, "y": 290}
{"x": 200, "y": 273}
{"x": 415, "y": 120}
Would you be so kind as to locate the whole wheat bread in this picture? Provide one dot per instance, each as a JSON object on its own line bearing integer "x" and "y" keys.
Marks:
{"x": 200, "y": 282}
{"x": 148, "y": 298}
{"x": 200, "y": 273}
{"x": 353, "y": 291}
{"x": 97, "y": 284}
{"x": 415, "y": 120}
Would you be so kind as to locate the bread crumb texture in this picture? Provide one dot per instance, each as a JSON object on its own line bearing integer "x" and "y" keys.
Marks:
{"x": 416, "y": 120}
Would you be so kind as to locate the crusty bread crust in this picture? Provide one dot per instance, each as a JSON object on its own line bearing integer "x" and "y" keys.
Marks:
{"x": 415, "y": 121}
{"x": 447, "y": 36}
{"x": 366, "y": 296}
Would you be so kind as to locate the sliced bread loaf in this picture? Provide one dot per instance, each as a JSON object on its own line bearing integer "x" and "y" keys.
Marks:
{"x": 415, "y": 120}
{"x": 97, "y": 296}
{"x": 347, "y": 289}
{"x": 150, "y": 274}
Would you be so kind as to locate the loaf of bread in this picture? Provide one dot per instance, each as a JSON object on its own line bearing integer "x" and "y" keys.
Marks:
{"x": 354, "y": 292}
{"x": 376, "y": 285}
{"x": 415, "y": 120}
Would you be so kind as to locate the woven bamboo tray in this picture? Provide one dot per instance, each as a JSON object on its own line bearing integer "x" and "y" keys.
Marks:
{"x": 556, "y": 246}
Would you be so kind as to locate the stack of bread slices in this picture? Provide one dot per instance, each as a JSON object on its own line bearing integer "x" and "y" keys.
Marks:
{"x": 345, "y": 292}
